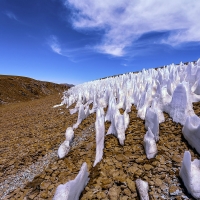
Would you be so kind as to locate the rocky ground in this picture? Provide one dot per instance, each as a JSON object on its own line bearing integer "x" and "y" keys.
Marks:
{"x": 18, "y": 88}
{"x": 32, "y": 131}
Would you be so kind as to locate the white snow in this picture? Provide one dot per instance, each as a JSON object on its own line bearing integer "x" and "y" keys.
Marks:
{"x": 58, "y": 105}
{"x": 151, "y": 121}
{"x": 191, "y": 131}
{"x": 81, "y": 116}
{"x": 142, "y": 187}
{"x": 150, "y": 144}
{"x": 190, "y": 173}
{"x": 180, "y": 106}
{"x": 100, "y": 134}
{"x": 72, "y": 189}
{"x": 64, "y": 149}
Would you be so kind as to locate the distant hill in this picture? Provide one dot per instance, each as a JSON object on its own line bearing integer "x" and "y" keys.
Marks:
{"x": 18, "y": 88}
{"x": 68, "y": 85}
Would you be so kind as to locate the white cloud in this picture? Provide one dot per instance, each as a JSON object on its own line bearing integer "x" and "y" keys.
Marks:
{"x": 11, "y": 15}
{"x": 54, "y": 44}
{"x": 123, "y": 21}
{"x": 73, "y": 54}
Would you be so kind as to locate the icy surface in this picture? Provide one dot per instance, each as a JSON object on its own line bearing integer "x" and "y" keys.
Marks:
{"x": 72, "y": 189}
{"x": 150, "y": 144}
{"x": 190, "y": 173}
{"x": 151, "y": 121}
{"x": 142, "y": 187}
{"x": 180, "y": 106}
{"x": 196, "y": 87}
{"x": 120, "y": 127}
{"x": 58, "y": 105}
{"x": 64, "y": 149}
{"x": 100, "y": 133}
{"x": 69, "y": 134}
{"x": 191, "y": 131}
{"x": 126, "y": 119}
{"x": 81, "y": 116}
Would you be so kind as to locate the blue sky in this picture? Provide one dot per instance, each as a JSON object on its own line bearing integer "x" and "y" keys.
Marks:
{"x": 74, "y": 41}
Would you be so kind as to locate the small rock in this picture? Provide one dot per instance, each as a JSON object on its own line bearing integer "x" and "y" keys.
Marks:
{"x": 131, "y": 185}
{"x": 151, "y": 183}
{"x": 101, "y": 195}
{"x": 173, "y": 190}
{"x": 158, "y": 182}
{"x": 32, "y": 196}
{"x": 139, "y": 160}
{"x": 88, "y": 195}
{"x": 127, "y": 192}
{"x": 148, "y": 167}
{"x": 124, "y": 198}
{"x": 120, "y": 157}
{"x": 132, "y": 169}
{"x": 44, "y": 194}
{"x": 114, "y": 192}
{"x": 176, "y": 158}
{"x": 44, "y": 185}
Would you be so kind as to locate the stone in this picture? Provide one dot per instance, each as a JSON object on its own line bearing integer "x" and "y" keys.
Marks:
{"x": 131, "y": 185}
{"x": 106, "y": 183}
{"x": 148, "y": 167}
{"x": 139, "y": 160}
{"x": 139, "y": 172}
{"x": 155, "y": 163}
{"x": 120, "y": 157}
{"x": 32, "y": 196}
{"x": 88, "y": 195}
{"x": 44, "y": 194}
{"x": 114, "y": 192}
{"x": 101, "y": 195}
{"x": 176, "y": 158}
{"x": 132, "y": 169}
{"x": 127, "y": 192}
{"x": 173, "y": 190}
{"x": 158, "y": 182}
{"x": 124, "y": 198}
{"x": 44, "y": 185}
{"x": 151, "y": 183}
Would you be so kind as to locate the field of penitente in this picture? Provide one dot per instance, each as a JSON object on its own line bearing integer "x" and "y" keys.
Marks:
{"x": 31, "y": 132}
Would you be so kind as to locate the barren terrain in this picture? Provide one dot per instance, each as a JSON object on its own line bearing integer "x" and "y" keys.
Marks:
{"x": 31, "y": 132}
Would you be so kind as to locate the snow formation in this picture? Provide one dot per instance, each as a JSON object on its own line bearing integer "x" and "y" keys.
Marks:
{"x": 191, "y": 131}
{"x": 190, "y": 173}
{"x": 72, "y": 189}
{"x": 150, "y": 144}
{"x": 69, "y": 134}
{"x": 170, "y": 89}
{"x": 64, "y": 149}
{"x": 151, "y": 121}
{"x": 100, "y": 132}
{"x": 142, "y": 187}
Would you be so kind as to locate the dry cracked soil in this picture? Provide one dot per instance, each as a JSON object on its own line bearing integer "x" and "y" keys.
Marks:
{"x": 32, "y": 131}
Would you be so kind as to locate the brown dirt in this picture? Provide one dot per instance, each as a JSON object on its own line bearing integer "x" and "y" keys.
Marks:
{"x": 17, "y": 88}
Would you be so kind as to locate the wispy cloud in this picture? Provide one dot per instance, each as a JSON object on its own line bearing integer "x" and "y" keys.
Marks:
{"x": 124, "y": 21}
{"x": 73, "y": 54}
{"x": 11, "y": 15}
{"x": 54, "y": 44}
